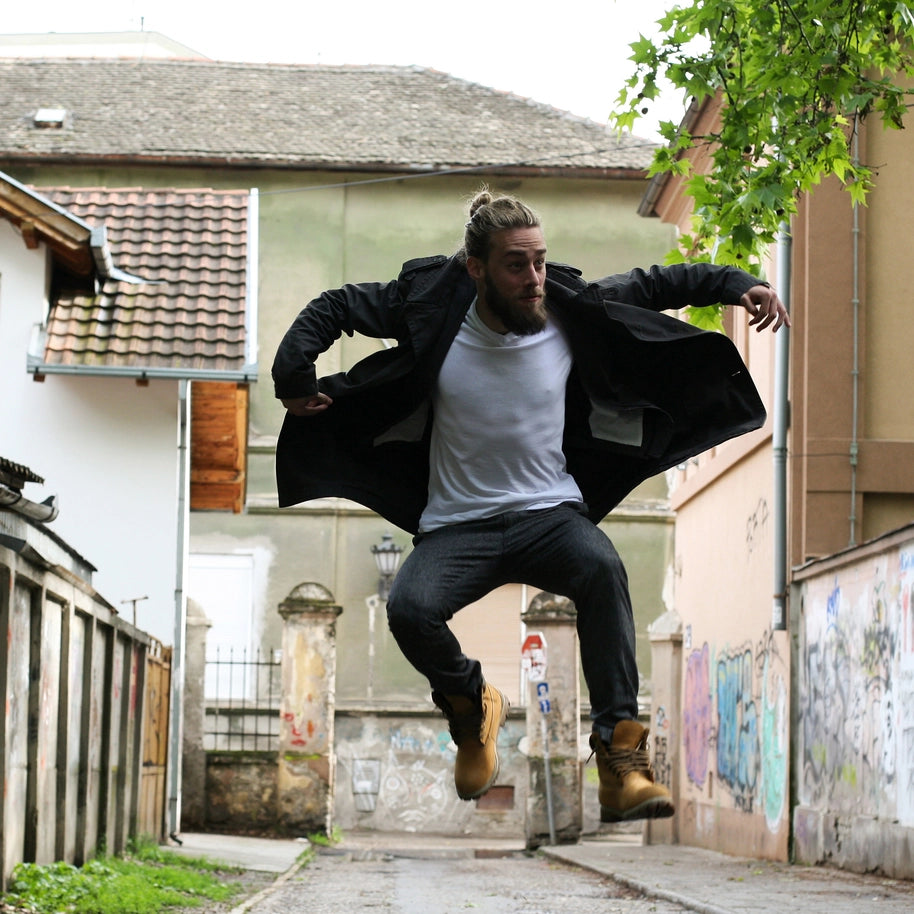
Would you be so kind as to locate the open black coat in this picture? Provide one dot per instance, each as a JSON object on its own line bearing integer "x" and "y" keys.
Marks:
{"x": 646, "y": 391}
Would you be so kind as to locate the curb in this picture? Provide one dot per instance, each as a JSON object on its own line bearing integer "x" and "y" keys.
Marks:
{"x": 282, "y": 879}
{"x": 636, "y": 885}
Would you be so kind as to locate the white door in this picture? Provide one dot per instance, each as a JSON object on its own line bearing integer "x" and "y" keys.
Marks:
{"x": 224, "y": 586}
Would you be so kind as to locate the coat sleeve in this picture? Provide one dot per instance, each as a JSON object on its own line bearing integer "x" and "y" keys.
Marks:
{"x": 371, "y": 309}
{"x": 673, "y": 287}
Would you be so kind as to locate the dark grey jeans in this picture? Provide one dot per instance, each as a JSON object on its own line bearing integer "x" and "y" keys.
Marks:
{"x": 555, "y": 549}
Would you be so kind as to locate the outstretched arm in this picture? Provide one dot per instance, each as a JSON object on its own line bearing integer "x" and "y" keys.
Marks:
{"x": 662, "y": 288}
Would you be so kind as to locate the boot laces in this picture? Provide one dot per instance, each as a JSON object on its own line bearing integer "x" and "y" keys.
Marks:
{"x": 622, "y": 762}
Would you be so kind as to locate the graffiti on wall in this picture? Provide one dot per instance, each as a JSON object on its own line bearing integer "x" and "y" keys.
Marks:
{"x": 757, "y": 526}
{"x": 696, "y": 715}
{"x": 663, "y": 766}
{"x": 409, "y": 777}
{"x": 857, "y": 689}
{"x": 735, "y": 724}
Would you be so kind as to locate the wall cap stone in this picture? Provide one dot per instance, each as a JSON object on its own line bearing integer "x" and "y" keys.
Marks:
{"x": 549, "y": 607}
{"x": 309, "y": 597}
{"x": 667, "y": 627}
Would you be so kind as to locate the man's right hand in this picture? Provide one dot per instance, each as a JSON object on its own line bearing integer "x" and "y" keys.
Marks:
{"x": 307, "y": 406}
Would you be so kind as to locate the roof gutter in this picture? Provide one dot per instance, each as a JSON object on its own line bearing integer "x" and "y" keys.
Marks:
{"x": 15, "y": 501}
{"x": 246, "y": 374}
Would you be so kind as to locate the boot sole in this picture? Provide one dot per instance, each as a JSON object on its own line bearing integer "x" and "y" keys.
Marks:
{"x": 658, "y": 808}
{"x": 501, "y": 722}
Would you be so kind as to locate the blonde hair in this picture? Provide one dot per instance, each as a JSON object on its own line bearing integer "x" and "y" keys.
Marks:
{"x": 493, "y": 213}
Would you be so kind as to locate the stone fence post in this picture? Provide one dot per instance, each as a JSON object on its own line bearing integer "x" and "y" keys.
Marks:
{"x": 665, "y": 633}
{"x": 306, "y": 749}
{"x": 193, "y": 755}
{"x": 556, "y": 618}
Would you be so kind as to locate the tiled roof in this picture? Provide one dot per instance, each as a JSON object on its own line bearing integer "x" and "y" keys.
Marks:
{"x": 190, "y": 319}
{"x": 269, "y": 115}
{"x": 15, "y": 475}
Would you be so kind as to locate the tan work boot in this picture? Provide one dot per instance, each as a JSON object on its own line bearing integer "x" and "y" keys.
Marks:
{"x": 474, "y": 725}
{"x": 627, "y": 788}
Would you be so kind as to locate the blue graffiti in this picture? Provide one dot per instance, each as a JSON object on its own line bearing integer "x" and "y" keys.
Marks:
{"x": 832, "y": 605}
{"x": 738, "y": 728}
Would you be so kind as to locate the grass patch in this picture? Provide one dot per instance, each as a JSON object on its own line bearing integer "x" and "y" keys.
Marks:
{"x": 327, "y": 840}
{"x": 146, "y": 880}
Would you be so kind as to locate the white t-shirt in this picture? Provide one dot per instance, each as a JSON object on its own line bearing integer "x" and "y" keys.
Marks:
{"x": 499, "y": 408}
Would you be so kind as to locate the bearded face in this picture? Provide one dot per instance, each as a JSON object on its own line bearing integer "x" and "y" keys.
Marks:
{"x": 523, "y": 313}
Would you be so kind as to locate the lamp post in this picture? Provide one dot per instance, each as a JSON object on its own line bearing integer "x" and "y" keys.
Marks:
{"x": 387, "y": 558}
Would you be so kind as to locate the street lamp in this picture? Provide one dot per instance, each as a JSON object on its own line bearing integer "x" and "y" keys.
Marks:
{"x": 387, "y": 558}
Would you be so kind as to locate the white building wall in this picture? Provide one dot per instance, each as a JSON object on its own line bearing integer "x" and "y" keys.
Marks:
{"x": 106, "y": 446}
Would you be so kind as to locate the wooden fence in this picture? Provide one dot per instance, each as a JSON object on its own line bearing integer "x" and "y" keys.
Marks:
{"x": 83, "y": 738}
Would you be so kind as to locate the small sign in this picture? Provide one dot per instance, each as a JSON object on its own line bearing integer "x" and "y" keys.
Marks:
{"x": 542, "y": 693}
{"x": 533, "y": 657}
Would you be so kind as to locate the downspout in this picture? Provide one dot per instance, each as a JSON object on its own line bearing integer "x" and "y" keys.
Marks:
{"x": 780, "y": 424}
{"x": 855, "y": 372}
{"x": 176, "y": 715}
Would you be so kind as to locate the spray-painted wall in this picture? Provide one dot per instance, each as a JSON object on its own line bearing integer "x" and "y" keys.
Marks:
{"x": 397, "y": 773}
{"x": 855, "y": 715}
{"x": 735, "y": 731}
{"x": 734, "y": 722}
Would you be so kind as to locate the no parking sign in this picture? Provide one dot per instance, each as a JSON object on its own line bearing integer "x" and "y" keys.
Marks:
{"x": 533, "y": 656}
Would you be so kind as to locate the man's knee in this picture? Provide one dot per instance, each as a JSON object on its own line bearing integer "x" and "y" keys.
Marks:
{"x": 398, "y": 618}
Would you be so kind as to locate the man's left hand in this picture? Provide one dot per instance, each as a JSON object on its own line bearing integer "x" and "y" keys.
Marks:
{"x": 766, "y": 308}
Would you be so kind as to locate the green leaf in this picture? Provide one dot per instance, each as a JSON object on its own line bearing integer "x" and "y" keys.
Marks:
{"x": 794, "y": 78}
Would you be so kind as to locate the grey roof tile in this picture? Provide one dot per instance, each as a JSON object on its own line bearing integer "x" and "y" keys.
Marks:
{"x": 367, "y": 117}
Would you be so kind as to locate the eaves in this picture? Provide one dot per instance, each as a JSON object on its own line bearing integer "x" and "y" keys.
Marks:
{"x": 396, "y": 170}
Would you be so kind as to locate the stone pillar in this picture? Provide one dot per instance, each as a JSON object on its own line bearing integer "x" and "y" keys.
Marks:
{"x": 193, "y": 755}
{"x": 665, "y": 633}
{"x": 306, "y": 750}
{"x": 556, "y": 618}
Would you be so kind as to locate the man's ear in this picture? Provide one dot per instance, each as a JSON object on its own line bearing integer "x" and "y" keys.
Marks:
{"x": 475, "y": 267}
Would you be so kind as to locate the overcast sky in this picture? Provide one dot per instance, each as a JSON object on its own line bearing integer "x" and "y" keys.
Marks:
{"x": 571, "y": 54}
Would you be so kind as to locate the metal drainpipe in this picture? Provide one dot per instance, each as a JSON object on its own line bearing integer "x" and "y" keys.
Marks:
{"x": 780, "y": 422}
{"x": 176, "y": 717}
{"x": 855, "y": 372}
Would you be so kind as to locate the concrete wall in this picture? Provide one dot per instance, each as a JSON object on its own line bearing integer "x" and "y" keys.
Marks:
{"x": 394, "y": 772}
{"x": 402, "y": 765}
{"x": 854, "y": 761}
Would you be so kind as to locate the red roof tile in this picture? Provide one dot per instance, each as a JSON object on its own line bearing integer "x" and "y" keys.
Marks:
{"x": 191, "y": 247}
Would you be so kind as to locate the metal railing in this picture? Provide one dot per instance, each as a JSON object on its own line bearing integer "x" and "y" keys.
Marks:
{"x": 242, "y": 701}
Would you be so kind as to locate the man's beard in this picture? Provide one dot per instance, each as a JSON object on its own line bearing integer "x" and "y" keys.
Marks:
{"x": 522, "y": 321}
